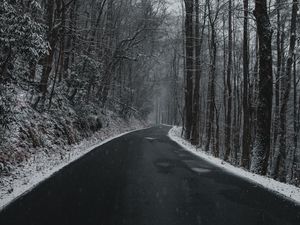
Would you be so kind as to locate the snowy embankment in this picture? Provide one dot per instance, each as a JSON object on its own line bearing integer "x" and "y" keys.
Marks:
{"x": 41, "y": 166}
{"x": 289, "y": 191}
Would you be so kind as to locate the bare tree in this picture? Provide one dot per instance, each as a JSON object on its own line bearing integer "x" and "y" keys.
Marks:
{"x": 280, "y": 164}
{"x": 189, "y": 45}
{"x": 228, "y": 86}
{"x": 264, "y": 109}
{"x": 245, "y": 162}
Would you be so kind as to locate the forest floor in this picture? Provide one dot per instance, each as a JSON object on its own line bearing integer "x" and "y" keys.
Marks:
{"x": 289, "y": 191}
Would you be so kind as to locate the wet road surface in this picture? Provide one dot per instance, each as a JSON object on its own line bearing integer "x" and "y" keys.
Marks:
{"x": 144, "y": 178}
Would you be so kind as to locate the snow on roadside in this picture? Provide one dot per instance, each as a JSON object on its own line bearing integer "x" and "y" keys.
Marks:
{"x": 287, "y": 190}
{"x": 42, "y": 166}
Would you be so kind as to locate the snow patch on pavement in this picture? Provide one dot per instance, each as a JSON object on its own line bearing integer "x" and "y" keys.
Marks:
{"x": 150, "y": 138}
{"x": 200, "y": 170}
{"x": 42, "y": 166}
{"x": 289, "y": 191}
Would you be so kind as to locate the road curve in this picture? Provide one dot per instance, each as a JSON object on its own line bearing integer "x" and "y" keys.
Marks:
{"x": 144, "y": 178}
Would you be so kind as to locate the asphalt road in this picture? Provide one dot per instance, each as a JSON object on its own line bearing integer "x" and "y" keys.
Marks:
{"x": 144, "y": 178}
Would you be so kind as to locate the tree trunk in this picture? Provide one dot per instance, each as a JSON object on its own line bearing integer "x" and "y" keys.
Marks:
{"x": 47, "y": 67}
{"x": 211, "y": 87}
{"x": 296, "y": 123}
{"x": 228, "y": 87}
{"x": 245, "y": 161}
{"x": 281, "y": 165}
{"x": 264, "y": 109}
{"x": 198, "y": 48}
{"x": 62, "y": 41}
{"x": 189, "y": 45}
{"x": 108, "y": 54}
{"x": 277, "y": 81}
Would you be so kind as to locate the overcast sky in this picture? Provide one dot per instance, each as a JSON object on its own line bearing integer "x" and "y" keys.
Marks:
{"x": 174, "y": 6}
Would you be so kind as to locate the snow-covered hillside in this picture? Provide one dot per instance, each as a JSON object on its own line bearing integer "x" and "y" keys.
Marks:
{"x": 37, "y": 143}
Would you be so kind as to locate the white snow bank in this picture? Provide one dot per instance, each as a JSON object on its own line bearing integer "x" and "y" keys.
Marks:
{"x": 289, "y": 191}
{"x": 41, "y": 166}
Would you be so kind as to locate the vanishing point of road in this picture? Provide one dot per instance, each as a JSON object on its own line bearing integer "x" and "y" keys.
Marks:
{"x": 144, "y": 178}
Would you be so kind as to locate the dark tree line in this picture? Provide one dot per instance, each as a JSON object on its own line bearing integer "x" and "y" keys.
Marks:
{"x": 231, "y": 76}
{"x": 71, "y": 68}
{"x": 89, "y": 51}
{"x": 247, "y": 114}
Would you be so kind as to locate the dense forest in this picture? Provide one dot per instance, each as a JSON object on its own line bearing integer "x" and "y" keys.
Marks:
{"x": 242, "y": 83}
{"x": 149, "y": 112}
{"x": 69, "y": 68}
{"x": 227, "y": 71}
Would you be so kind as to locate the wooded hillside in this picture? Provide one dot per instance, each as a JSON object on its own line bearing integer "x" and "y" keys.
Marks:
{"x": 70, "y": 67}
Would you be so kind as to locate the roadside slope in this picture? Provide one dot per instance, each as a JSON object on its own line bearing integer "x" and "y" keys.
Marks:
{"x": 40, "y": 165}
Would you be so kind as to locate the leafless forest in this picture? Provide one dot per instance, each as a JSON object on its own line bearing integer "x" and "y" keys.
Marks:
{"x": 227, "y": 71}
{"x": 241, "y": 83}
